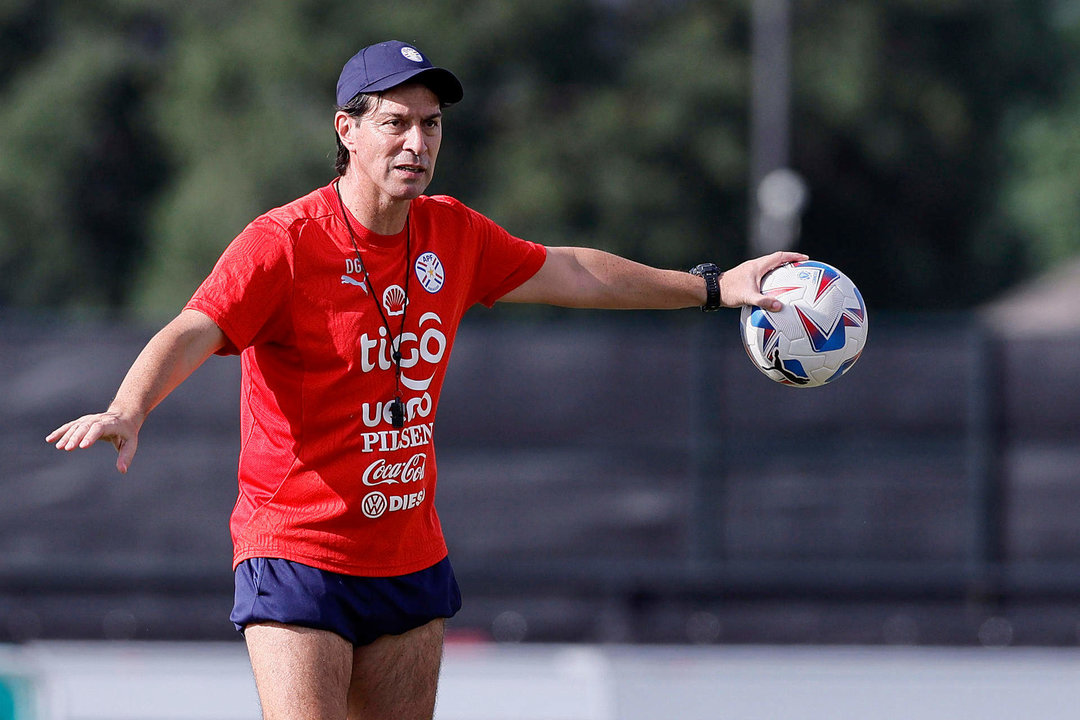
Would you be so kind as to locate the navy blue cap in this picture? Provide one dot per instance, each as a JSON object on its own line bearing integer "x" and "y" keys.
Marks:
{"x": 389, "y": 64}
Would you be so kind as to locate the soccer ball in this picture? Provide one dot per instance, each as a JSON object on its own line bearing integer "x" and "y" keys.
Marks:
{"x": 819, "y": 333}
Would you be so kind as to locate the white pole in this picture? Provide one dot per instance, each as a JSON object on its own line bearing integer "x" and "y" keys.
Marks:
{"x": 777, "y": 193}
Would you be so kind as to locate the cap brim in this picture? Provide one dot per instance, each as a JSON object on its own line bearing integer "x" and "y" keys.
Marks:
{"x": 442, "y": 82}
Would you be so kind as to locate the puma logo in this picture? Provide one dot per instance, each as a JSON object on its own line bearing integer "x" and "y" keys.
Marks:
{"x": 346, "y": 280}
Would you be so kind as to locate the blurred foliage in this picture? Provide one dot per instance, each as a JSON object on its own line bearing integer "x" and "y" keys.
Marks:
{"x": 939, "y": 137}
{"x": 1040, "y": 146}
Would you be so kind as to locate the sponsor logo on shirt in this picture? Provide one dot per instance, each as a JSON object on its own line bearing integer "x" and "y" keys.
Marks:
{"x": 346, "y": 280}
{"x": 393, "y": 440}
{"x": 373, "y": 414}
{"x": 375, "y": 504}
{"x": 427, "y": 346}
{"x": 394, "y": 300}
{"x": 354, "y": 267}
{"x": 382, "y": 472}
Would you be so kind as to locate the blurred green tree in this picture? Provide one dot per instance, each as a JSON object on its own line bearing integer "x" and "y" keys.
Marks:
{"x": 79, "y": 166}
{"x": 937, "y": 136}
{"x": 899, "y": 130}
{"x": 1040, "y": 146}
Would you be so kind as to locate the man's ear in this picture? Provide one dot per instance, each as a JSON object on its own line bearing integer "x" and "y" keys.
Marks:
{"x": 344, "y": 125}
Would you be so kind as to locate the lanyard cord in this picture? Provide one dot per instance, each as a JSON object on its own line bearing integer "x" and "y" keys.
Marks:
{"x": 397, "y": 410}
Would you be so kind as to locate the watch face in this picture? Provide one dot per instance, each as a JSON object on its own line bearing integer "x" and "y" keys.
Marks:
{"x": 706, "y": 269}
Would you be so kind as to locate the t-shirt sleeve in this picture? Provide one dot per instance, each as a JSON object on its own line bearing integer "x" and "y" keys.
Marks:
{"x": 503, "y": 262}
{"x": 249, "y": 287}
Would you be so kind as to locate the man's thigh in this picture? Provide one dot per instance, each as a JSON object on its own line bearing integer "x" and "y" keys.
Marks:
{"x": 301, "y": 673}
{"x": 395, "y": 677}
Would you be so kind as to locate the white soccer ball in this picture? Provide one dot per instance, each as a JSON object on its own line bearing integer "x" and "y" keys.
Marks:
{"x": 819, "y": 333}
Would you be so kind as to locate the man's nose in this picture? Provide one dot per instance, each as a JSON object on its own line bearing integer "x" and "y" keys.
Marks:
{"x": 415, "y": 142}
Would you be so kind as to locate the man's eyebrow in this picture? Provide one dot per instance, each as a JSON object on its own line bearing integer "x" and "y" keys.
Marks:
{"x": 396, "y": 115}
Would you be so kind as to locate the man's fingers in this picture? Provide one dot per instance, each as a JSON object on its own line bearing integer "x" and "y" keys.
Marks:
{"x": 774, "y": 260}
{"x": 58, "y": 433}
{"x": 768, "y": 263}
{"x": 785, "y": 256}
{"x": 125, "y": 454}
{"x": 769, "y": 303}
{"x": 764, "y": 302}
{"x": 86, "y": 431}
{"x": 68, "y": 435}
{"x": 92, "y": 434}
{"x": 64, "y": 434}
{"x": 72, "y": 436}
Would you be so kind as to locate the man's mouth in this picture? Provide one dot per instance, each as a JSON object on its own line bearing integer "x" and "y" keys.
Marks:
{"x": 413, "y": 169}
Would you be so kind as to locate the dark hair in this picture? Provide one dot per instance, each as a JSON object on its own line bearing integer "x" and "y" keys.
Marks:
{"x": 355, "y": 108}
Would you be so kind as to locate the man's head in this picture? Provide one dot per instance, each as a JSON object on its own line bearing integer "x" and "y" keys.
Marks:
{"x": 381, "y": 67}
{"x": 391, "y": 147}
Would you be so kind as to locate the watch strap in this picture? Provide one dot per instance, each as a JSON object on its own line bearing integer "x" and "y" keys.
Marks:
{"x": 711, "y": 274}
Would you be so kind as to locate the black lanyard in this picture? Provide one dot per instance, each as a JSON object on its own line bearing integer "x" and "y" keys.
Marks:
{"x": 397, "y": 407}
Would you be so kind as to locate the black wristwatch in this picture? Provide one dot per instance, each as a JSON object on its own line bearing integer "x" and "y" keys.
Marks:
{"x": 712, "y": 275}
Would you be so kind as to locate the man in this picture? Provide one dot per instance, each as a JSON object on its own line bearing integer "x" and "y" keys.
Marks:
{"x": 344, "y": 306}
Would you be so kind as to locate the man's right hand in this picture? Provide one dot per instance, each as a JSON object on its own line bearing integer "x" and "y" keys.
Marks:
{"x": 166, "y": 361}
{"x": 87, "y": 430}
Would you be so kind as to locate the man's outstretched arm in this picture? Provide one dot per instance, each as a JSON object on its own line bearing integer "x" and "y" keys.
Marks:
{"x": 589, "y": 278}
{"x": 166, "y": 361}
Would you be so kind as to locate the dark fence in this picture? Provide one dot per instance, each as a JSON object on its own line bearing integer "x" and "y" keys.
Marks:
{"x": 604, "y": 477}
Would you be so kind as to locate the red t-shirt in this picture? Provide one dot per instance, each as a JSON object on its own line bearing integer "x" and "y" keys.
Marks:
{"x": 324, "y": 477}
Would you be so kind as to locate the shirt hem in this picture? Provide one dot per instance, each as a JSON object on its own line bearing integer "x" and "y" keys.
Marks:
{"x": 429, "y": 560}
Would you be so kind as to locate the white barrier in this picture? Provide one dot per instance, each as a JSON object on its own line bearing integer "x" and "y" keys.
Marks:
{"x": 212, "y": 681}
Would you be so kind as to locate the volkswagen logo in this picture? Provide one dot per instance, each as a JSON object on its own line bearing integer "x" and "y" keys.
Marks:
{"x": 374, "y": 504}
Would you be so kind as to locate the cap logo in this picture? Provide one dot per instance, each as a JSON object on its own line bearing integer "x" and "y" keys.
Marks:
{"x": 412, "y": 54}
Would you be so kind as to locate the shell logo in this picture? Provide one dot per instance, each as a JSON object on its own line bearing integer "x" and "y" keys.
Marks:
{"x": 394, "y": 300}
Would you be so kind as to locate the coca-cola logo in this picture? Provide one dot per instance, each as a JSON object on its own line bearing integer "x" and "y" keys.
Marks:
{"x": 382, "y": 472}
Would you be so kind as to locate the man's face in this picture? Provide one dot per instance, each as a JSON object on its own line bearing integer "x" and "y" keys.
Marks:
{"x": 397, "y": 141}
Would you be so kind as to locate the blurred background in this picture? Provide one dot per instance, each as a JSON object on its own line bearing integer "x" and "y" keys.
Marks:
{"x": 612, "y": 479}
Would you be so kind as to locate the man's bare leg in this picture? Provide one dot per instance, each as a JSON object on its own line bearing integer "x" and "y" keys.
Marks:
{"x": 395, "y": 677}
{"x": 301, "y": 673}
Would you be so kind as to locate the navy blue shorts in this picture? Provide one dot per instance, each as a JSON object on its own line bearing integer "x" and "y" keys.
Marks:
{"x": 359, "y": 609}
